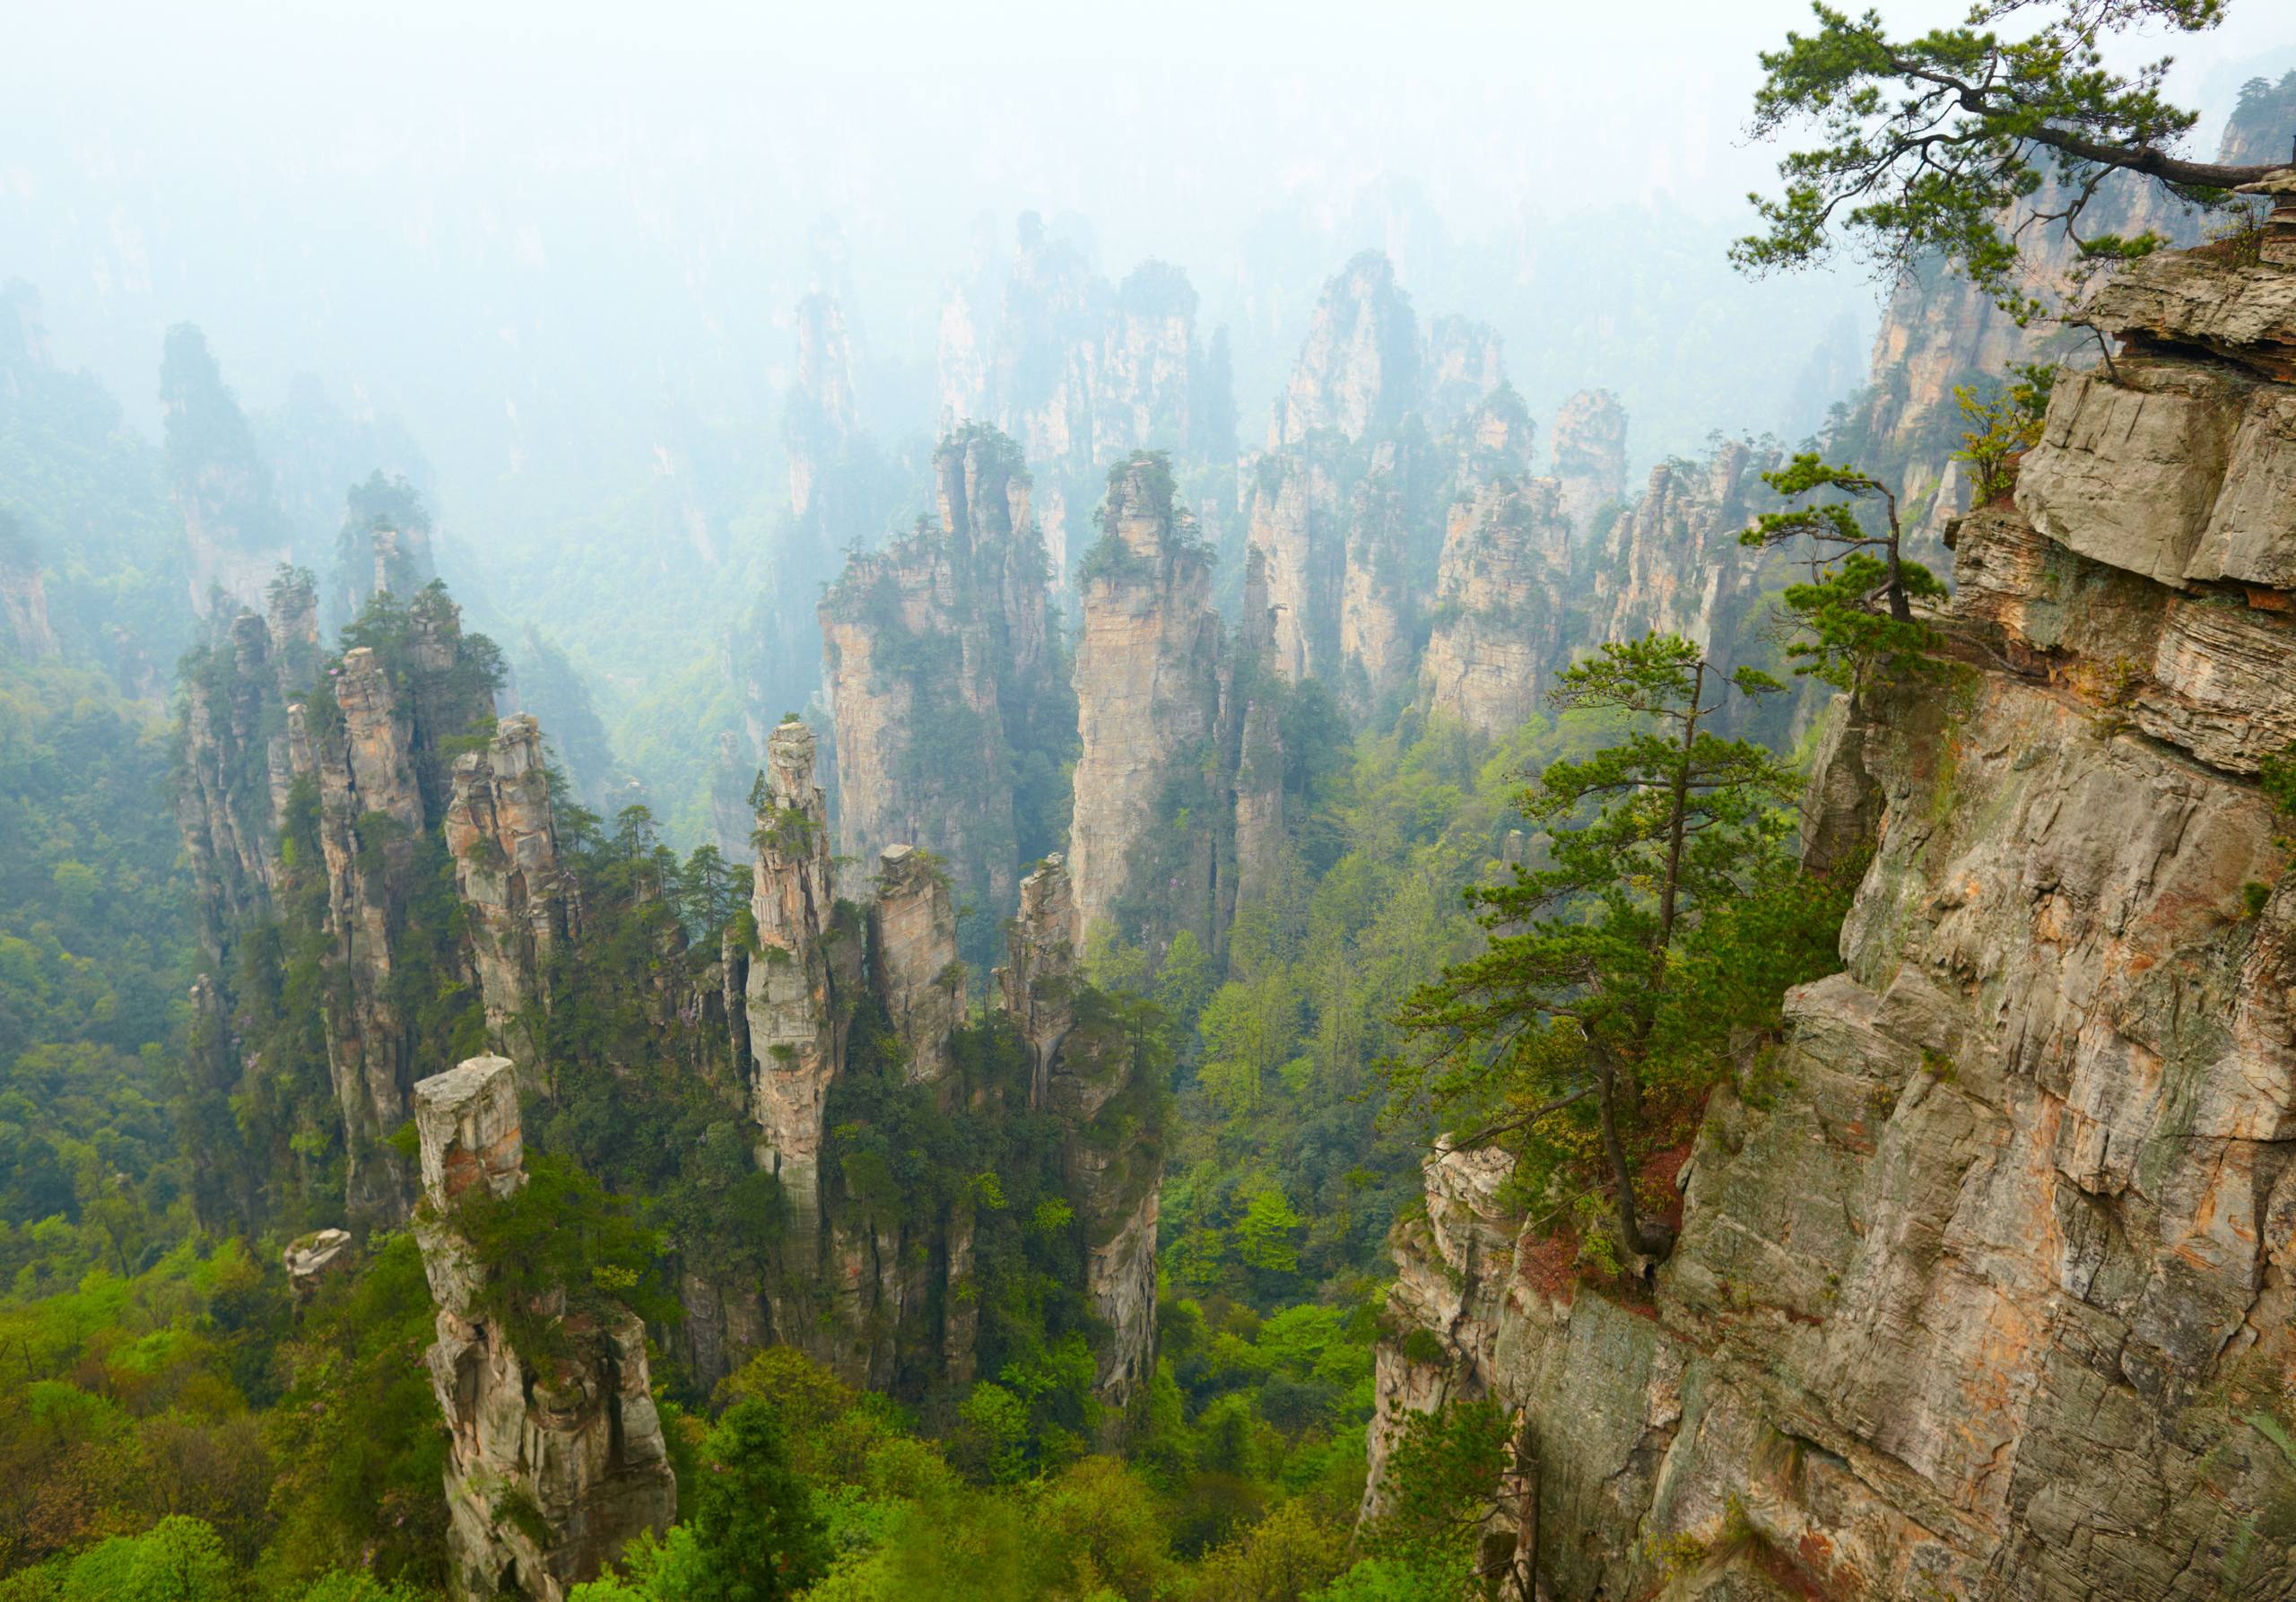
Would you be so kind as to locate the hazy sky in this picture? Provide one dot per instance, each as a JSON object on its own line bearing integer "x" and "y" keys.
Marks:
{"x": 372, "y": 192}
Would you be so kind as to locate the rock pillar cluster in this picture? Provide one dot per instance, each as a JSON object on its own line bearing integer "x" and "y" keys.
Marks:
{"x": 554, "y": 1463}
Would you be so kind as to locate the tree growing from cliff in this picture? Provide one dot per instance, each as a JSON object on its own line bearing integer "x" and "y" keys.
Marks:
{"x": 1964, "y": 144}
{"x": 1588, "y": 990}
{"x": 1856, "y": 608}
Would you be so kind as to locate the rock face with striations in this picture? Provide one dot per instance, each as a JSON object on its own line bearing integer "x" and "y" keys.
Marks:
{"x": 1359, "y": 371}
{"x": 554, "y": 1463}
{"x": 503, "y": 838}
{"x": 1498, "y": 611}
{"x": 944, "y": 674}
{"x": 796, "y": 1030}
{"x": 913, "y": 955}
{"x": 1085, "y": 1072}
{"x": 1589, "y": 460}
{"x": 1983, "y": 1282}
{"x": 1147, "y": 692}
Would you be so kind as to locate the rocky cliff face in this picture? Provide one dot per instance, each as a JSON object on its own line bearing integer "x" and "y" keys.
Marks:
{"x": 796, "y": 1032}
{"x": 554, "y": 1464}
{"x": 1982, "y": 1283}
{"x": 503, "y": 837}
{"x": 1939, "y": 331}
{"x": 913, "y": 958}
{"x": 1084, "y": 1071}
{"x": 363, "y": 744}
{"x": 1147, "y": 695}
{"x": 943, "y": 673}
{"x": 1359, "y": 371}
{"x": 1500, "y": 605}
{"x": 1671, "y": 561}
{"x": 1589, "y": 456}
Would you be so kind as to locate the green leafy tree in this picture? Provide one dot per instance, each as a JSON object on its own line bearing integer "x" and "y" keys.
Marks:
{"x": 2006, "y": 424}
{"x": 1856, "y": 607}
{"x": 758, "y": 1538}
{"x": 1582, "y": 968}
{"x": 1960, "y": 142}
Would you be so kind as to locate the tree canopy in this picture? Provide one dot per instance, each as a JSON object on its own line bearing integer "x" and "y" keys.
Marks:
{"x": 1962, "y": 142}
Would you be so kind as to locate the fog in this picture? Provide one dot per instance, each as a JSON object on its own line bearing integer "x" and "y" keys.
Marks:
{"x": 559, "y": 246}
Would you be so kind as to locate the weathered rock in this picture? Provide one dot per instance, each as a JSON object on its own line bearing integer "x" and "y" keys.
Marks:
{"x": 2129, "y": 466}
{"x": 1982, "y": 1282}
{"x": 913, "y": 959}
{"x": 25, "y": 627}
{"x": 503, "y": 838}
{"x": 235, "y": 536}
{"x": 1147, "y": 688}
{"x": 795, "y": 1029}
{"x": 554, "y": 1463}
{"x": 309, "y": 1259}
{"x": 1037, "y": 983}
{"x": 1589, "y": 462}
{"x": 942, "y": 671}
{"x": 1463, "y": 364}
{"x": 1500, "y": 602}
{"x": 1359, "y": 370}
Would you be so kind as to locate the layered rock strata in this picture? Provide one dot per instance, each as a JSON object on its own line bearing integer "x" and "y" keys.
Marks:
{"x": 1497, "y": 634}
{"x": 796, "y": 1028}
{"x": 1982, "y": 1286}
{"x": 1588, "y": 460}
{"x": 943, "y": 673}
{"x": 502, "y": 834}
{"x": 1147, "y": 695}
{"x": 554, "y": 1464}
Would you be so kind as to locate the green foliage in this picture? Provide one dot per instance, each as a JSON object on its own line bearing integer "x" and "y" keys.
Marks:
{"x": 94, "y": 958}
{"x": 1586, "y": 988}
{"x": 559, "y": 1242}
{"x": 2007, "y": 424}
{"x": 1442, "y": 1481}
{"x": 1856, "y": 609}
{"x": 754, "y": 1527}
{"x": 1961, "y": 142}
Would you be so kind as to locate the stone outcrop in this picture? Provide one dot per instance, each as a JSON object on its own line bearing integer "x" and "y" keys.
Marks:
{"x": 913, "y": 959}
{"x": 1939, "y": 330}
{"x": 1982, "y": 1285}
{"x": 795, "y": 1029}
{"x": 366, "y": 738}
{"x": 555, "y": 1462}
{"x": 1085, "y": 1072}
{"x": 1463, "y": 365}
{"x": 1671, "y": 563}
{"x": 311, "y": 1260}
{"x": 1147, "y": 695}
{"x": 385, "y": 546}
{"x": 503, "y": 837}
{"x": 1497, "y": 636}
{"x": 944, "y": 674}
{"x": 1589, "y": 456}
{"x": 1359, "y": 371}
